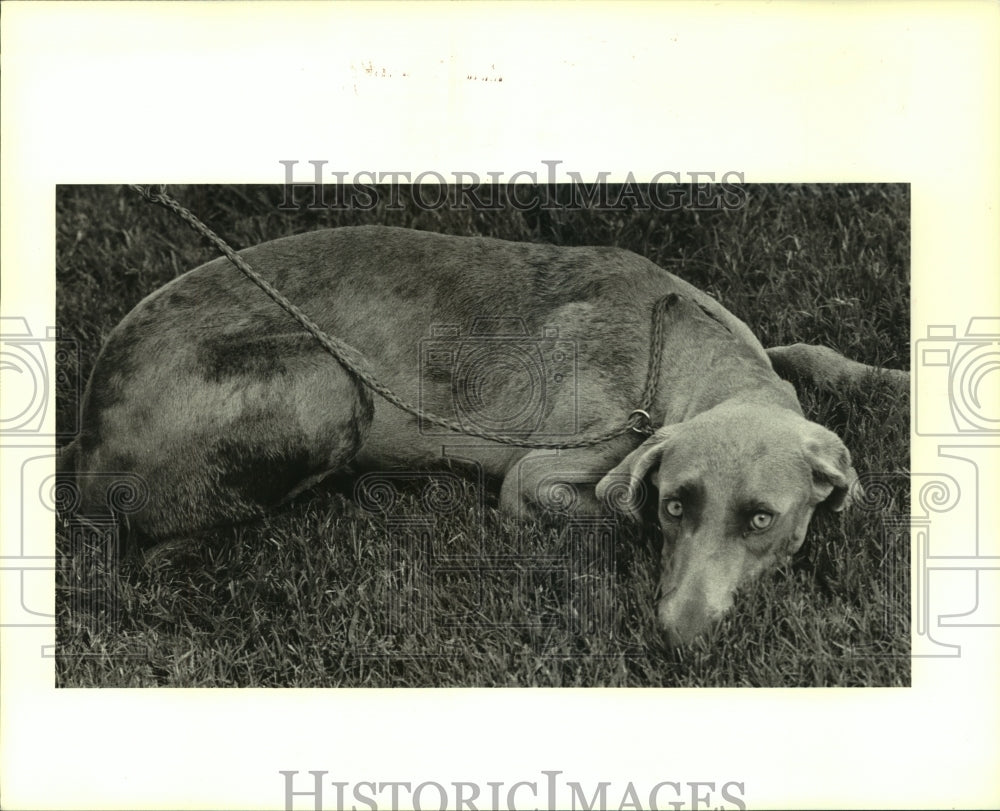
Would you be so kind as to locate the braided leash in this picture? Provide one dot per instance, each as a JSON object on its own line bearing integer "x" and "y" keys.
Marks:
{"x": 347, "y": 356}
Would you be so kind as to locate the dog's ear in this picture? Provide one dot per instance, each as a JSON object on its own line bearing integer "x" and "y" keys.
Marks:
{"x": 623, "y": 488}
{"x": 833, "y": 477}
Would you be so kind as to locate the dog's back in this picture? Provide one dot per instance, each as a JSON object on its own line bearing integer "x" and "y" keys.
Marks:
{"x": 224, "y": 406}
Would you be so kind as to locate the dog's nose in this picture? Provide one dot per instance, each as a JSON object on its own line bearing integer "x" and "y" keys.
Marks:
{"x": 684, "y": 620}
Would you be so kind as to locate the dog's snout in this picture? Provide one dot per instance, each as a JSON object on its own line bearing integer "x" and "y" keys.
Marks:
{"x": 683, "y": 623}
{"x": 685, "y": 613}
{"x": 684, "y": 616}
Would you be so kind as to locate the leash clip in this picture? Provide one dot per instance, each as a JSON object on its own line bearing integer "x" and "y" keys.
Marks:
{"x": 642, "y": 422}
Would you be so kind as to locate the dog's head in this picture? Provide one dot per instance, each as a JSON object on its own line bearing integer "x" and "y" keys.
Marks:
{"x": 736, "y": 488}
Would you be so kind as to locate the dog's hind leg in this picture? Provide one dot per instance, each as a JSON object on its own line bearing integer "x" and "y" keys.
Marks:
{"x": 824, "y": 368}
{"x": 220, "y": 435}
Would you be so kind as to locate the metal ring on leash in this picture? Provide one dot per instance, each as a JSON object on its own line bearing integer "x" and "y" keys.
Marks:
{"x": 644, "y": 423}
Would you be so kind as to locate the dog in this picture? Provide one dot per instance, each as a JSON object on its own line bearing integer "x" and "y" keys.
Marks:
{"x": 226, "y": 407}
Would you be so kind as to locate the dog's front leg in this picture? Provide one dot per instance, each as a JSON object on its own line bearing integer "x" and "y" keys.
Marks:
{"x": 552, "y": 482}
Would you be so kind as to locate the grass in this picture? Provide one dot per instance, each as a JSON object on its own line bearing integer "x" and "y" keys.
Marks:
{"x": 328, "y": 593}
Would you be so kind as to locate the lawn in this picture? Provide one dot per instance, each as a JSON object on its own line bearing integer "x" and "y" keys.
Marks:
{"x": 416, "y": 580}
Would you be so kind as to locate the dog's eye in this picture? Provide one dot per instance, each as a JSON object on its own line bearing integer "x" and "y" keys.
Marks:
{"x": 761, "y": 521}
{"x": 674, "y": 507}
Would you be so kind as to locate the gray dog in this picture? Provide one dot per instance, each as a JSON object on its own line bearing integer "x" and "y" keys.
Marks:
{"x": 226, "y": 407}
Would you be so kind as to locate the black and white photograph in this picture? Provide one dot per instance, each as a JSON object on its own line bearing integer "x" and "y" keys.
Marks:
{"x": 499, "y": 405}
{"x": 486, "y": 436}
